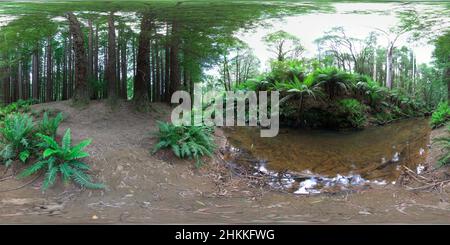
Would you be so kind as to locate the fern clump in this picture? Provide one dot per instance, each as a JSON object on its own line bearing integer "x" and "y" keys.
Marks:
{"x": 18, "y": 106}
{"x": 353, "y": 111}
{"x": 16, "y": 138}
{"x": 440, "y": 115}
{"x": 49, "y": 126}
{"x": 186, "y": 141}
{"x": 62, "y": 159}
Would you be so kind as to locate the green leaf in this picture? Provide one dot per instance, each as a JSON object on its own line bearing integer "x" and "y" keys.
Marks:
{"x": 24, "y": 155}
{"x": 81, "y": 145}
{"x": 32, "y": 169}
{"x": 66, "y": 172}
{"x": 85, "y": 180}
{"x": 50, "y": 178}
{"x": 48, "y": 152}
{"x": 66, "y": 140}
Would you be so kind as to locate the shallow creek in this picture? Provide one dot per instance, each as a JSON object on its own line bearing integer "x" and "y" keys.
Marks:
{"x": 311, "y": 161}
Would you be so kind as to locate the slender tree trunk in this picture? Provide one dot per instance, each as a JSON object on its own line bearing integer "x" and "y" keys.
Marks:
{"x": 124, "y": 66}
{"x": 111, "y": 64}
{"x": 142, "y": 77}
{"x": 81, "y": 91}
{"x": 167, "y": 79}
{"x": 95, "y": 65}
{"x": 64, "y": 71}
{"x": 90, "y": 69}
{"x": 35, "y": 64}
{"x": 175, "y": 80}
{"x": 389, "y": 66}
{"x": 49, "y": 84}
{"x": 153, "y": 71}
{"x": 158, "y": 72}
{"x": 20, "y": 80}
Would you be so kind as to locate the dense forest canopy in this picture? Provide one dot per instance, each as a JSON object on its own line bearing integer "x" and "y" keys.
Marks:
{"x": 146, "y": 50}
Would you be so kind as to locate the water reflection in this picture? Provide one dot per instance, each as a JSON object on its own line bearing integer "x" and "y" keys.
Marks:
{"x": 305, "y": 161}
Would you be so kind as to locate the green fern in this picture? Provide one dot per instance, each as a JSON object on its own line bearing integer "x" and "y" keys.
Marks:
{"x": 62, "y": 159}
{"x": 192, "y": 142}
{"x": 15, "y": 137}
{"x": 49, "y": 126}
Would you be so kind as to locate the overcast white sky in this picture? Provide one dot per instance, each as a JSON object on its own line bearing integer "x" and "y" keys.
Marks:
{"x": 312, "y": 26}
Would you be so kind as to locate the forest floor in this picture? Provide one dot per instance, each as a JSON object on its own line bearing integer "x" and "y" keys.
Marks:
{"x": 145, "y": 188}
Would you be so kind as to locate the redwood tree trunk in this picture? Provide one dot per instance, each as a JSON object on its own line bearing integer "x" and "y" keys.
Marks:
{"x": 111, "y": 64}
{"x": 35, "y": 65}
{"x": 49, "y": 84}
{"x": 124, "y": 66}
{"x": 81, "y": 91}
{"x": 175, "y": 80}
{"x": 90, "y": 49}
{"x": 143, "y": 64}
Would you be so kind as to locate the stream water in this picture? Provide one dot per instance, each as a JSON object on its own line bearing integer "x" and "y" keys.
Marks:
{"x": 306, "y": 161}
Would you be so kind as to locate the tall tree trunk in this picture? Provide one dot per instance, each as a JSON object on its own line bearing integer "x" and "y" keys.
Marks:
{"x": 124, "y": 66}
{"x": 70, "y": 68}
{"x": 143, "y": 64}
{"x": 90, "y": 50}
{"x": 111, "y": 64}
{"x": 20, "y": 80}
{"x": 81, "y": 91}
{"x": 389, "y": 66}
{"x": 64, "y": 78}
{"x": 158, "y": 72}
{"x": 95, "y": 65}
{"x": 167, "y": 93}
{"x": 49, "y": 84}
{"x": 153, "y": 71}
{"x": 175, "y": 80}
{"x": 35, "y": 75}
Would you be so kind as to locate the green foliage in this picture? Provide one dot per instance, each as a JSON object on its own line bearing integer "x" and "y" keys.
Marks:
{"x": 440, "y": 115}
{"x": 49, "y": 126}
{"x": 254, "y": 84}
{"x": 18, "y": 106}
{"x": 16, "y": 138}
{"x": 353, "y": 112}
{"x": 186, "y": 141}
{"x": 370, "y": 90}
{"x": 444, "y": 142}
{"x": 63, "y": 159}
{"x": 333, "y": 80}
{"x": 286, "y": 70}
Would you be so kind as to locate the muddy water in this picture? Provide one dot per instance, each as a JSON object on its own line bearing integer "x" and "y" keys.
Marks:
{"x": 373, "y": 154}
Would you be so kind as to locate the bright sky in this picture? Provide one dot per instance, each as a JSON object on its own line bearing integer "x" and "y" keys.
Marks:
{"x": 312, "y": 26}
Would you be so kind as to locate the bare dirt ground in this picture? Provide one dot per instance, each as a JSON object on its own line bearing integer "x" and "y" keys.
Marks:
{"x": 145, "y": 188}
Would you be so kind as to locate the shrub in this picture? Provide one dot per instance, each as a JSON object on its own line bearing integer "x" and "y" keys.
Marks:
{"x": 63, "y": 159}
{"x": 440, "y": 115}
{"x": 186, "y": 141}
{"x": 49, "y": 126}
{"x": 15, "y": 138}
{"x": 353, "y": 112}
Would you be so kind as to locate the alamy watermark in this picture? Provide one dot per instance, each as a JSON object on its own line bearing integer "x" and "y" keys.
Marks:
{"x": 241, "y": 109}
